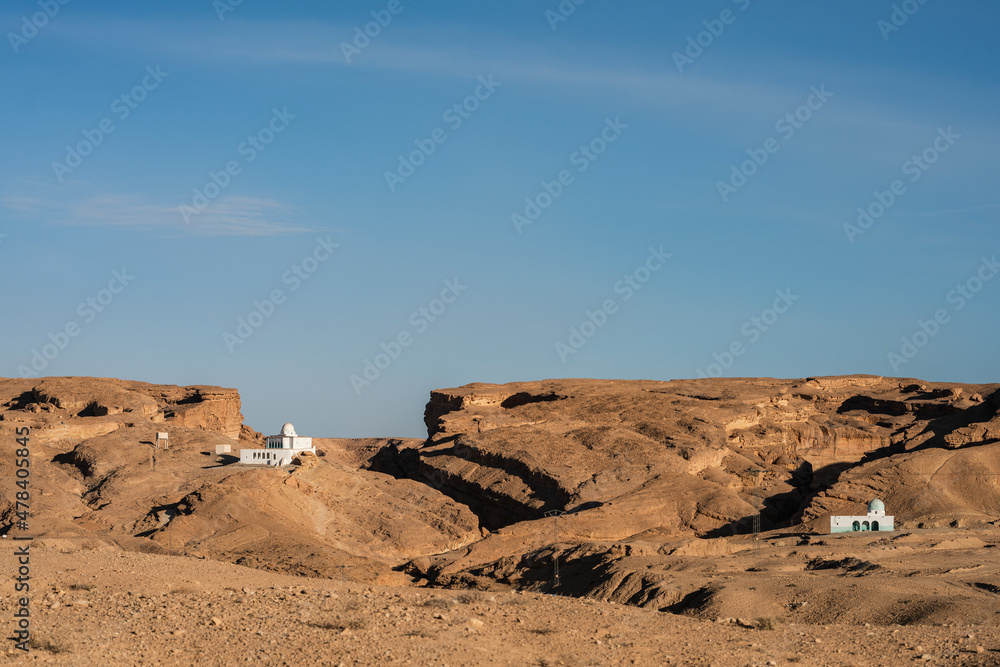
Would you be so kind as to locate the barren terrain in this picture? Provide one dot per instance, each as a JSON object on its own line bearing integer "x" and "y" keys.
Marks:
{"x": 97, "y": 605}
{"x": 642, "y": 495}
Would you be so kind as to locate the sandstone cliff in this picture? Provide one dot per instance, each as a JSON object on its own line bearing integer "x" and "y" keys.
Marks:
{"x": 661, "y": 461}
{"x": 642, "y": 492}
{"x": 96, "y": 473}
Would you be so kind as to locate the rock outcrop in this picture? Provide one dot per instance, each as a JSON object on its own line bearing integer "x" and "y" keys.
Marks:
{"x": 96, "y": 473}
{"x": 49, "y": 403}
{"x": 623, "y": 461}
{"x": 642, "y": 492}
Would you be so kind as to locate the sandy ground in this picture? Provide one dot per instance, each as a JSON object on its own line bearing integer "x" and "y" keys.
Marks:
{"x": 99, "y": 606}
{"x": 653, "y": 480}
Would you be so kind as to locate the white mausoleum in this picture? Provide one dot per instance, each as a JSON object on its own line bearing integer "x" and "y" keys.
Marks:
{"x": 279, "y": 450}
{"x": 876, "y": 519}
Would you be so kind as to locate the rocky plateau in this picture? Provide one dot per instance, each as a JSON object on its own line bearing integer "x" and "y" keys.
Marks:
{"x": 702, "y": 499}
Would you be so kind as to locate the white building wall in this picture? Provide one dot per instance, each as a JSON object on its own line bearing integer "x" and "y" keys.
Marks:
{"x": 266, "y": 457}
{"x": 278, "y": 449}
{"x": 839, "y": 524}
{"x": 845, "y": 524}
{"x": 289, "y": 442}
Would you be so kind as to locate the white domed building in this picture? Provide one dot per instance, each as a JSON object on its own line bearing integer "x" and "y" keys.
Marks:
{"x": 875, "y": 520}
{"x": 279, "y": 450}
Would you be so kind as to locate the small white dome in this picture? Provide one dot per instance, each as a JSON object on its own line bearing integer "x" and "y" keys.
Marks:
{"x": 288, "y": 429}
{"x": 876, "y": 506}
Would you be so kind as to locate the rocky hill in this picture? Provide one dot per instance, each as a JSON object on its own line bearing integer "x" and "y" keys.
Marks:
{"x": 95, "y": 473}
{"x": 699, "y": 457}
{"x": 644, "y": 473}
{"x": 640, "y": 492}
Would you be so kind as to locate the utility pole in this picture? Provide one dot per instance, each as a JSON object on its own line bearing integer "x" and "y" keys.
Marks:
{"x": 555, "y": 514}
{"x": 757, "y": 482}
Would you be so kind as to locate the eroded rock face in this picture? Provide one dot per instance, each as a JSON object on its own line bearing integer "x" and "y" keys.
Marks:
{"x": 640, "y": 467}
{"x": 96, "y": 473}
{"x": 936, "y": 473}
{"x": 208, "y": 408}
{"x": 64, "y": 399}
{"x": 644, "y": 477}
{"x": 331, "y": 516}
{"x": 705, "y": 454}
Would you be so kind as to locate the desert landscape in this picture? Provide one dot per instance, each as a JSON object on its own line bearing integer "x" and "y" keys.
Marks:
{"x": 514, "y": 333}
{"x": 562, "y": 522}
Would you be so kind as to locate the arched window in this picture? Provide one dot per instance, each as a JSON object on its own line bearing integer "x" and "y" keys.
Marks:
{"x": 864, "y": 526}
{"x": 857, "y": 525}
{"x": 874, "y": 525}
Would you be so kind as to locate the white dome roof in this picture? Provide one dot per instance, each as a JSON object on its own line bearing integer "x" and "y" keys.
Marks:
{"x": 288, "y": 429}
{"x": 876, "y": 506}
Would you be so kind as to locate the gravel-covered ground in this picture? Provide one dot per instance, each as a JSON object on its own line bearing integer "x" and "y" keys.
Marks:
{"x": 109, "y": 607}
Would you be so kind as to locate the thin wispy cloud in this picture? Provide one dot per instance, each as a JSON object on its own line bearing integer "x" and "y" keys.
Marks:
{"x": 990, "y": 210}
{"x": 593, "y": 70}
{"x": 228, "y": 216}
{"x": 25, "y": 206}
{"x": 649, "y": 82}
{"x": 402, "y": 50}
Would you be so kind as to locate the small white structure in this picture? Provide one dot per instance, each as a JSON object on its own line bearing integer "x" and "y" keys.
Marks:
{"x": 279, "y": 449}
{"x": 223, "y": 449}
{"x": 162, "y": 438}
{"x": 875, "y": 520}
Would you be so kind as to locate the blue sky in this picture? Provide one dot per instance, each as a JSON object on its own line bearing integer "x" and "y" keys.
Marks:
{"x": 679, "y": 263}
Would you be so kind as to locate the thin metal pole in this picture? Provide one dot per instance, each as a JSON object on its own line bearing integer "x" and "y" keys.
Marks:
{"x": 555, "y": 514}
{"x": 757, "y": 483}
